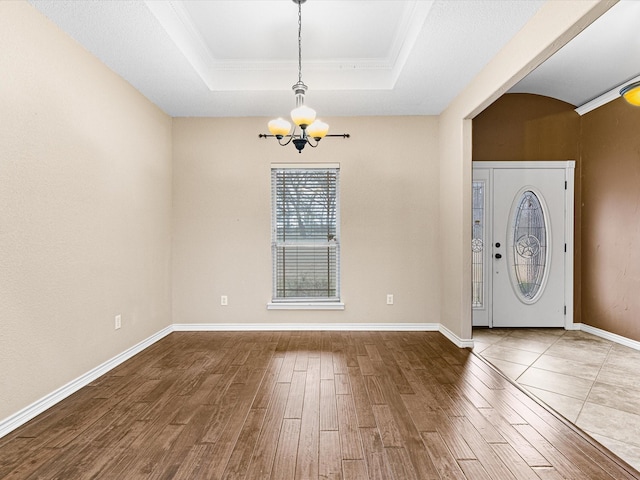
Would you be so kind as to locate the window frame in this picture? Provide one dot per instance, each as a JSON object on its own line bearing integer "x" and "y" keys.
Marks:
{"x": 304, "y": 303}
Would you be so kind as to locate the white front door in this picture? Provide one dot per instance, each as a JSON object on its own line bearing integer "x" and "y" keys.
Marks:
{"x": 526, "y": 245}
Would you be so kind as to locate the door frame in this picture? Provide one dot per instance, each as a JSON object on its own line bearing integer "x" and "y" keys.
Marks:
{"x": 569, "y": 208}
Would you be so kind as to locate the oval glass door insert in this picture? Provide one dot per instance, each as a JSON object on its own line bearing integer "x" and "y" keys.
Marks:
{"x": 529, "y": 236}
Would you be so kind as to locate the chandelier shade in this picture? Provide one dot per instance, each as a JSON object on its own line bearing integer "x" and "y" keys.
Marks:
{"x": 302, "y": 116}
{"x": 279, "y": 127}
{"x": 318, "y": 130}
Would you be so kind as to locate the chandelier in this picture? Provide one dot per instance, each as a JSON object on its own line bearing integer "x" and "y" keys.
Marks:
{"x": 311, "y": 129}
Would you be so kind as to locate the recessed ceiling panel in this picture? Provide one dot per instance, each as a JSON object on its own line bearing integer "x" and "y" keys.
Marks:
{"x": 253, "y": 45}
{"x": 267, "y": 31}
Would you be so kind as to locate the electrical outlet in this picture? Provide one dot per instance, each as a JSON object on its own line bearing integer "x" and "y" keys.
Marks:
{"x": 118, "y": 321}
{"x": 224, "y": 300}
{"x": 389, "y": 299}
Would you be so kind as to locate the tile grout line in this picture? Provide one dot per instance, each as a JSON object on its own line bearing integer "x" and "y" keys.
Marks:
{"x": 539, "y": 356}
{"x": 594, "y": 382}
{"x": 530, "y": 366}
{"x": 526, "y": 387}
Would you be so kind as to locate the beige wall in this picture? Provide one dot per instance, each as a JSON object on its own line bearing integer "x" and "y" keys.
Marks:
{"x": 389, "y": 220}
{"x": 85, "y": 198}
{"x": 86, "y": 213}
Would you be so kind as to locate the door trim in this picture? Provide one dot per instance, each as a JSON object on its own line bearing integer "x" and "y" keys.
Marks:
{"x": 569, "y": 207}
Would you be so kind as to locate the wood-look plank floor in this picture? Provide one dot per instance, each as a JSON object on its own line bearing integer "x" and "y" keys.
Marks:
{"x": 303, "y": 405}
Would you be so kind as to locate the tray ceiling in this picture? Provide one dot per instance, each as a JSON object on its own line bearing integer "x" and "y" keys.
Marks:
{"x": 359, "y": 57}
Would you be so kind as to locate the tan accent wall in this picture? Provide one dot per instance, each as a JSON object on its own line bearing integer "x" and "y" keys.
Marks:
{"x": 389, "y": 220}
{"x": 85, "y": 198}
{"x": 611, "y": 219}
{"x": 528, "y": 128}
{"x": 525, "y": 127}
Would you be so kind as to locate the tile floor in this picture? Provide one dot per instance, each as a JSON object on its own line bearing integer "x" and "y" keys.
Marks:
{"x": 592, "y": 382}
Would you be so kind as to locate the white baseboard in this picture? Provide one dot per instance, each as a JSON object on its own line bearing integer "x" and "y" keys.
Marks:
{"x": 627, "y": 342}
{"x": 23, "y": 416}
{"x": 241, "y": 327}
{"x": 453, "y": 338}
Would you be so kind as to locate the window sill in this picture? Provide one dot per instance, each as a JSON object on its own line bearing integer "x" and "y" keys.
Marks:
{"x": 305, "y": 306}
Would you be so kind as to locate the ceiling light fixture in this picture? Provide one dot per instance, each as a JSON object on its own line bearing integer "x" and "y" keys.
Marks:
{"x": 631, "y": 93}
{"x": 303, "y": 116}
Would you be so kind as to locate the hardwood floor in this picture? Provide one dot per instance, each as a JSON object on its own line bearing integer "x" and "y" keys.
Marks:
{"x": 303, "y": 405}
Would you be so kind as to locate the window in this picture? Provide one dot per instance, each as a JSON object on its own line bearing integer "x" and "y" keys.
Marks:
{"x": 305, "y": 238}
{"x": 477, "y": 245}
{"x": 529, "y": 240}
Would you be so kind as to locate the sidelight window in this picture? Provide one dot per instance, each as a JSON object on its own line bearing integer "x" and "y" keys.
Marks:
{"x": 477, "y": 244}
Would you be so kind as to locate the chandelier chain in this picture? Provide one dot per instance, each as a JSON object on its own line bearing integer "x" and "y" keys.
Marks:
{"x": 299, "y": 42}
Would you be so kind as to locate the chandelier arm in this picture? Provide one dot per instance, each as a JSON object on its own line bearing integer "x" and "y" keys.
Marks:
{"x": 285, "y": 143}
{"x": 293, "y": 137}
{"x": 290, "y": 137}
{"x": 317, "y": 140}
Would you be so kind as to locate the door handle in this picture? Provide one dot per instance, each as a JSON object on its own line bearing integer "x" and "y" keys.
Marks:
{"x": 498, "y": 256}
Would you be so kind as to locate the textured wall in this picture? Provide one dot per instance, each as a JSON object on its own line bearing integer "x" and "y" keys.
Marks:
{"x": 222, "y": 220}
{"x": 611, "y": 219}
{"x": 85, "y": 198}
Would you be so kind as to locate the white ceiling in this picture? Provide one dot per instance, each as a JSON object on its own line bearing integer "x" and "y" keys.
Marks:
{"x": 604, "y": 56}
{"x": 359, "y": 57}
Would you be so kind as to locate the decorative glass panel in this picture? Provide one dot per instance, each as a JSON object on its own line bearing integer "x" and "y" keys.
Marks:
{"x": 477, "y": 246}
{"x": 529, "y": 246}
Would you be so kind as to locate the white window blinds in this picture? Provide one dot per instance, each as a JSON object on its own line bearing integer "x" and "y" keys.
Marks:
{"x": 305, "y": 233}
